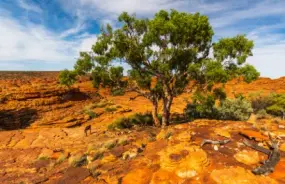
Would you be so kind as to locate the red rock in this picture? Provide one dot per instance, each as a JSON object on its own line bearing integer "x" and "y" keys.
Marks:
{"x": 74, "y": 175}
{"x": 251, "y": 134}
{"x": 239, "y": 175}
{"x": 162, "y": 176}
{"x": 138, "y": 176}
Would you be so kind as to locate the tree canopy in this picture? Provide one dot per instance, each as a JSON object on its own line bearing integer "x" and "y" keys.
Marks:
{"x": 165, "y": 53}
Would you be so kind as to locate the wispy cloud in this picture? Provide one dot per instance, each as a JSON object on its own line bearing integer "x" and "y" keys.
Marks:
{"x": 30, "y": 42}
{"x": 29, "y": 6}
{"x": 260, "y": 10}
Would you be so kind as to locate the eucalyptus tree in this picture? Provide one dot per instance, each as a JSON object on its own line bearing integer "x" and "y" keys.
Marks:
{"x": 168, "y": 51}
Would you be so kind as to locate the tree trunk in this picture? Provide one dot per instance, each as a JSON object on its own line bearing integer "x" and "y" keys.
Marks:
{"x": 155, "y": 114}
{"x": 167, "y": 102}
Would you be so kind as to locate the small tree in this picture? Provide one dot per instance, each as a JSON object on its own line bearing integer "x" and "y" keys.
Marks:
{"x": 168, "y": 51}
{"x": 67, "y": 78}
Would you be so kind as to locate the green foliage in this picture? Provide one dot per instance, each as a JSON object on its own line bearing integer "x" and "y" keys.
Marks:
{"x": 277, "y": 105}
{"x": 249, "y": 73}
{"x": 110, "y": 109}
{"x": 164, "y": 54}
{"x": 42, "y": 157}
{"x": 90, "y": 113}
{"x": 259, "y": 102}
{"x": 235, "y": 109}
{"x": 78, "y": 161}
{"x": 117, "y": 92}
{"x": 110, "y": 144}
{"x": 273, "y": 104}
{"x": 262, "y": 114}
{"x": 103, "y": 104}
{"x": 83, "y": 64}
{"x": 135, "y": 119}
{"x": 203, "y": 106}
{"x": 61, "y": 159}
{"x": 67, "y": 78}
{"x": 98, "y": 155}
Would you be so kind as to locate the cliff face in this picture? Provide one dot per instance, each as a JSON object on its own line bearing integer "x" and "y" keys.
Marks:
{"x": 36, "y": 99}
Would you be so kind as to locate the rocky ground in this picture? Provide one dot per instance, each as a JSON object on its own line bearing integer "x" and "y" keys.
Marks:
{"x": 43, "y": 140}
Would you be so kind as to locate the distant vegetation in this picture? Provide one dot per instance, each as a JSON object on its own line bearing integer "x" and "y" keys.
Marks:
{"x": 165, "y": 53}
{"x": 273, "y": 104}
{"x": 135, "y": 119}
{"x": 67, "y": 78}
{"x": 229, "y": 109}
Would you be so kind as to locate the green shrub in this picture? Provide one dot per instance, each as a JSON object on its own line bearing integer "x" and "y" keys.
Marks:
{"x": 259, "y": 102}
{"x": 90, "y": 113}
{"x": 77, "y": 161}
{"x": 135, "y": 119}
{"x": 110, "y": 109}
{"x": 262, "y": 114}
{"x": 117, "y": 92}
{"x": 235, "y": 109}
{"x": 277, "y": 105}
{"x": 98, "y": 155}
{"x": 61, "y": 159}
{"x": 273, "y": 104}
{"x": 42, "y": 157}
{"x": 67, "y": 78}
{"x": 103, "y": 104}
{"x": 201, "y": 107}
{"x": 229, "y": 109}
{"x": 110, "y": 144}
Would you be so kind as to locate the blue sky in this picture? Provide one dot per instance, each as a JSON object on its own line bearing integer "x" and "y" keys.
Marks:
{"x": 48, "y": 34}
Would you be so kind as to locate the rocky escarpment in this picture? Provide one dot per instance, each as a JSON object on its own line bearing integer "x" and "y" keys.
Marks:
{"x": 34, "y": 100}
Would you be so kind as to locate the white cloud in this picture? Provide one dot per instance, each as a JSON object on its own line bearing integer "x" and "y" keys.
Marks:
{"x": 72, "y": 31}
{"x": 269, "y": 52}
{"x": 29, "y": 7}
{"x": 261, "y": 9}
{"x": 32, "y": 42}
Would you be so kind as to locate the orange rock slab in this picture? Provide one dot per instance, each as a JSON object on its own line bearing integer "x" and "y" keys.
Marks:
{"x": 139, "y": 176}
{"x": 251, "y": 134}
{"x": 239, "y": 175}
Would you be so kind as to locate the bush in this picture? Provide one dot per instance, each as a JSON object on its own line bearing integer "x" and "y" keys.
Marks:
{"x": 259, "y": 102}
{"x": 262, "y": 114}
{"x": 90, "y": 113}
{"x": 229, "y": 109}
{"x": 277, "y": 105}
{"x": 235, "y": 109}
{"x": 273, "y": 104}
{"x": 135, "y": 119}
{"x": 67, "y": 78}
{"x": 110, "y": 109}
{"x": 117, "y": 92}
{"x": 201, "y": 107}
{"x": 78, "y": 160}
{"x": 102, "y": 104}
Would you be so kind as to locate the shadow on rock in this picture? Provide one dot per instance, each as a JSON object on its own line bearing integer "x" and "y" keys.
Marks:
{"x": 17, "y": 119}
{"x": 75, "y": 95}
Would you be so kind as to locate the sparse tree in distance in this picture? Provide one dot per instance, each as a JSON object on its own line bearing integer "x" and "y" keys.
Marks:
{"x": 67, "y": 78}
{"x": 168, "y": 51}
